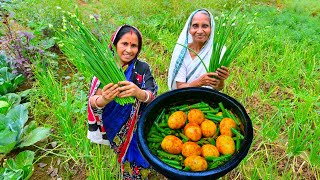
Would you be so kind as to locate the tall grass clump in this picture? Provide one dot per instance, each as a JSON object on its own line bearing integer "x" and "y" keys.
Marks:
{"x": 66, "y": 105}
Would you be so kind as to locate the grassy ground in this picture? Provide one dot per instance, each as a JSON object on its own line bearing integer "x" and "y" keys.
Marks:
{"x": 276, "y": 78}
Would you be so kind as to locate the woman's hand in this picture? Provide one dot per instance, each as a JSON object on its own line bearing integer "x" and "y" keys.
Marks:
{"x": 223, "y": 73}
{"x": 128, "y": 89}
{"x": 104, "y": 96}
{"x": 110, "y": 91}
{"x": 208, "y": 79}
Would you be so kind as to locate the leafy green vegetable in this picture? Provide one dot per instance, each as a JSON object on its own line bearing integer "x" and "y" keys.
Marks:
{"x": 4, "y": 106}
{"x": 8, "y": 101}
{"x": 8, "y": 81}
{"x": 14, "y": 133}
{"x": 3, "y": 61}
{"x": 20, "y": 168}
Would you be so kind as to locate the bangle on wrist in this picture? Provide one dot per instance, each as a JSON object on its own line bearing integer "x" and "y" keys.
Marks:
{"x": 146, "y": 98}
{"x": 95, "y": 103}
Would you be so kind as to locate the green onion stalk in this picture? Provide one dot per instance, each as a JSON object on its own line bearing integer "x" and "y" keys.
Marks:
{"x": 231, "y": 33}
{"x": 87, "y": 53}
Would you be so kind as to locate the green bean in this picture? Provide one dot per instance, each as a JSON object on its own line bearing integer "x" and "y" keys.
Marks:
{"x": 170, "y": 161}
{"x": 223, "y": 109}
{"x": 178, "y": 107}
{"x": 237, "y": 143}
{"x": 176, "y": 166}
{"x": 215, "y": 119}
{"x": 213, "y": 164}
{"x": 204, "y": 109}
{"x": 214, "y": 116}
{"x": 217, "y": 132}
{"x": 159, "y": 117}
{"x": 220, "y": 158}
{"x": 169, "y": 156}
{"x": 215, "y": 111}
{"x": 237, "y": 133}
{"x": 157, "y": 140}
{"x": 164, "y": 125}
{"x": 184, "y": 137}
{"x": 230, "y": 115}
{"x": 187, "y": 168}
{"x": 155, "y": 136}
{"x": 154, "y": 145}
{"x": 202, "y": 142}
{"x": 213, "y": 141}
{"x": 207, "y": 111}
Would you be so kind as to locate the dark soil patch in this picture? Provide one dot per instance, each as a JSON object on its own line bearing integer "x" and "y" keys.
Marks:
{"x": 298, "y": 166}
{"x": 51, "y": 167}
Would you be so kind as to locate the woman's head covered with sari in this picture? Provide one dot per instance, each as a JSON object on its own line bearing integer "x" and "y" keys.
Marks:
{"x": 180, "y": 49}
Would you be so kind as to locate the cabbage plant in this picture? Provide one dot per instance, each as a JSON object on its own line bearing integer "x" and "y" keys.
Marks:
{"x": 8, "y": 101}
{"x": 8, "y": 81}
{"x": 19, "y": 168}
{"x": 15, "y": 134}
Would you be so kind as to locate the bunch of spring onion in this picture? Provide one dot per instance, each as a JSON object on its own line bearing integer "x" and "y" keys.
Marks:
{"x": 230, "y": 36}
{"x": 87, "y": 53}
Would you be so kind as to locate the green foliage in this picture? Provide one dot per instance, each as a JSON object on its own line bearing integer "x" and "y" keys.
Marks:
{"x": 20, "y": 168}
{"x": 8, "y": 81}
{"x": 14, "y": 133}
{"x": 232, "y": 33}
{"x": 91, "y": 54}
{"x": 3, "y": 60}
{"x": 8, "y": 101}
{"x": 67, "y": 103}
{"x": 4, "y": 106}
{"x": 276, "y": 77}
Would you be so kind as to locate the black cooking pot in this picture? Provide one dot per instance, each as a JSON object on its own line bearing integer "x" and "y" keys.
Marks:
{"x": 193, "y": 95}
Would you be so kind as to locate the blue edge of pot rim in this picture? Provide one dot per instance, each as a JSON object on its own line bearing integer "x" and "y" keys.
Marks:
{"x": 174, "y": 173}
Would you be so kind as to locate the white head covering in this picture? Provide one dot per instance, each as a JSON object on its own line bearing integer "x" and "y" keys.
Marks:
{"x": 179, "y": 51}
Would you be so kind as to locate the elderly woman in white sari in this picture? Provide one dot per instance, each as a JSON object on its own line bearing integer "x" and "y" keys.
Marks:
{"x": 186, "y": 69}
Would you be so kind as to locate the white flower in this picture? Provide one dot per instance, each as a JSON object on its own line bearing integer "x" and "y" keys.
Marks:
{"x": 233, "y": 24}
{"x": 224, "y": 24}
{"x": 50, "y": 26}
{"x": 58, "y": 7}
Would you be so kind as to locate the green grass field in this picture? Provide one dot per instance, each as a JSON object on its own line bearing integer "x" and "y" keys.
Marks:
{"x": 276, "y": 78}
